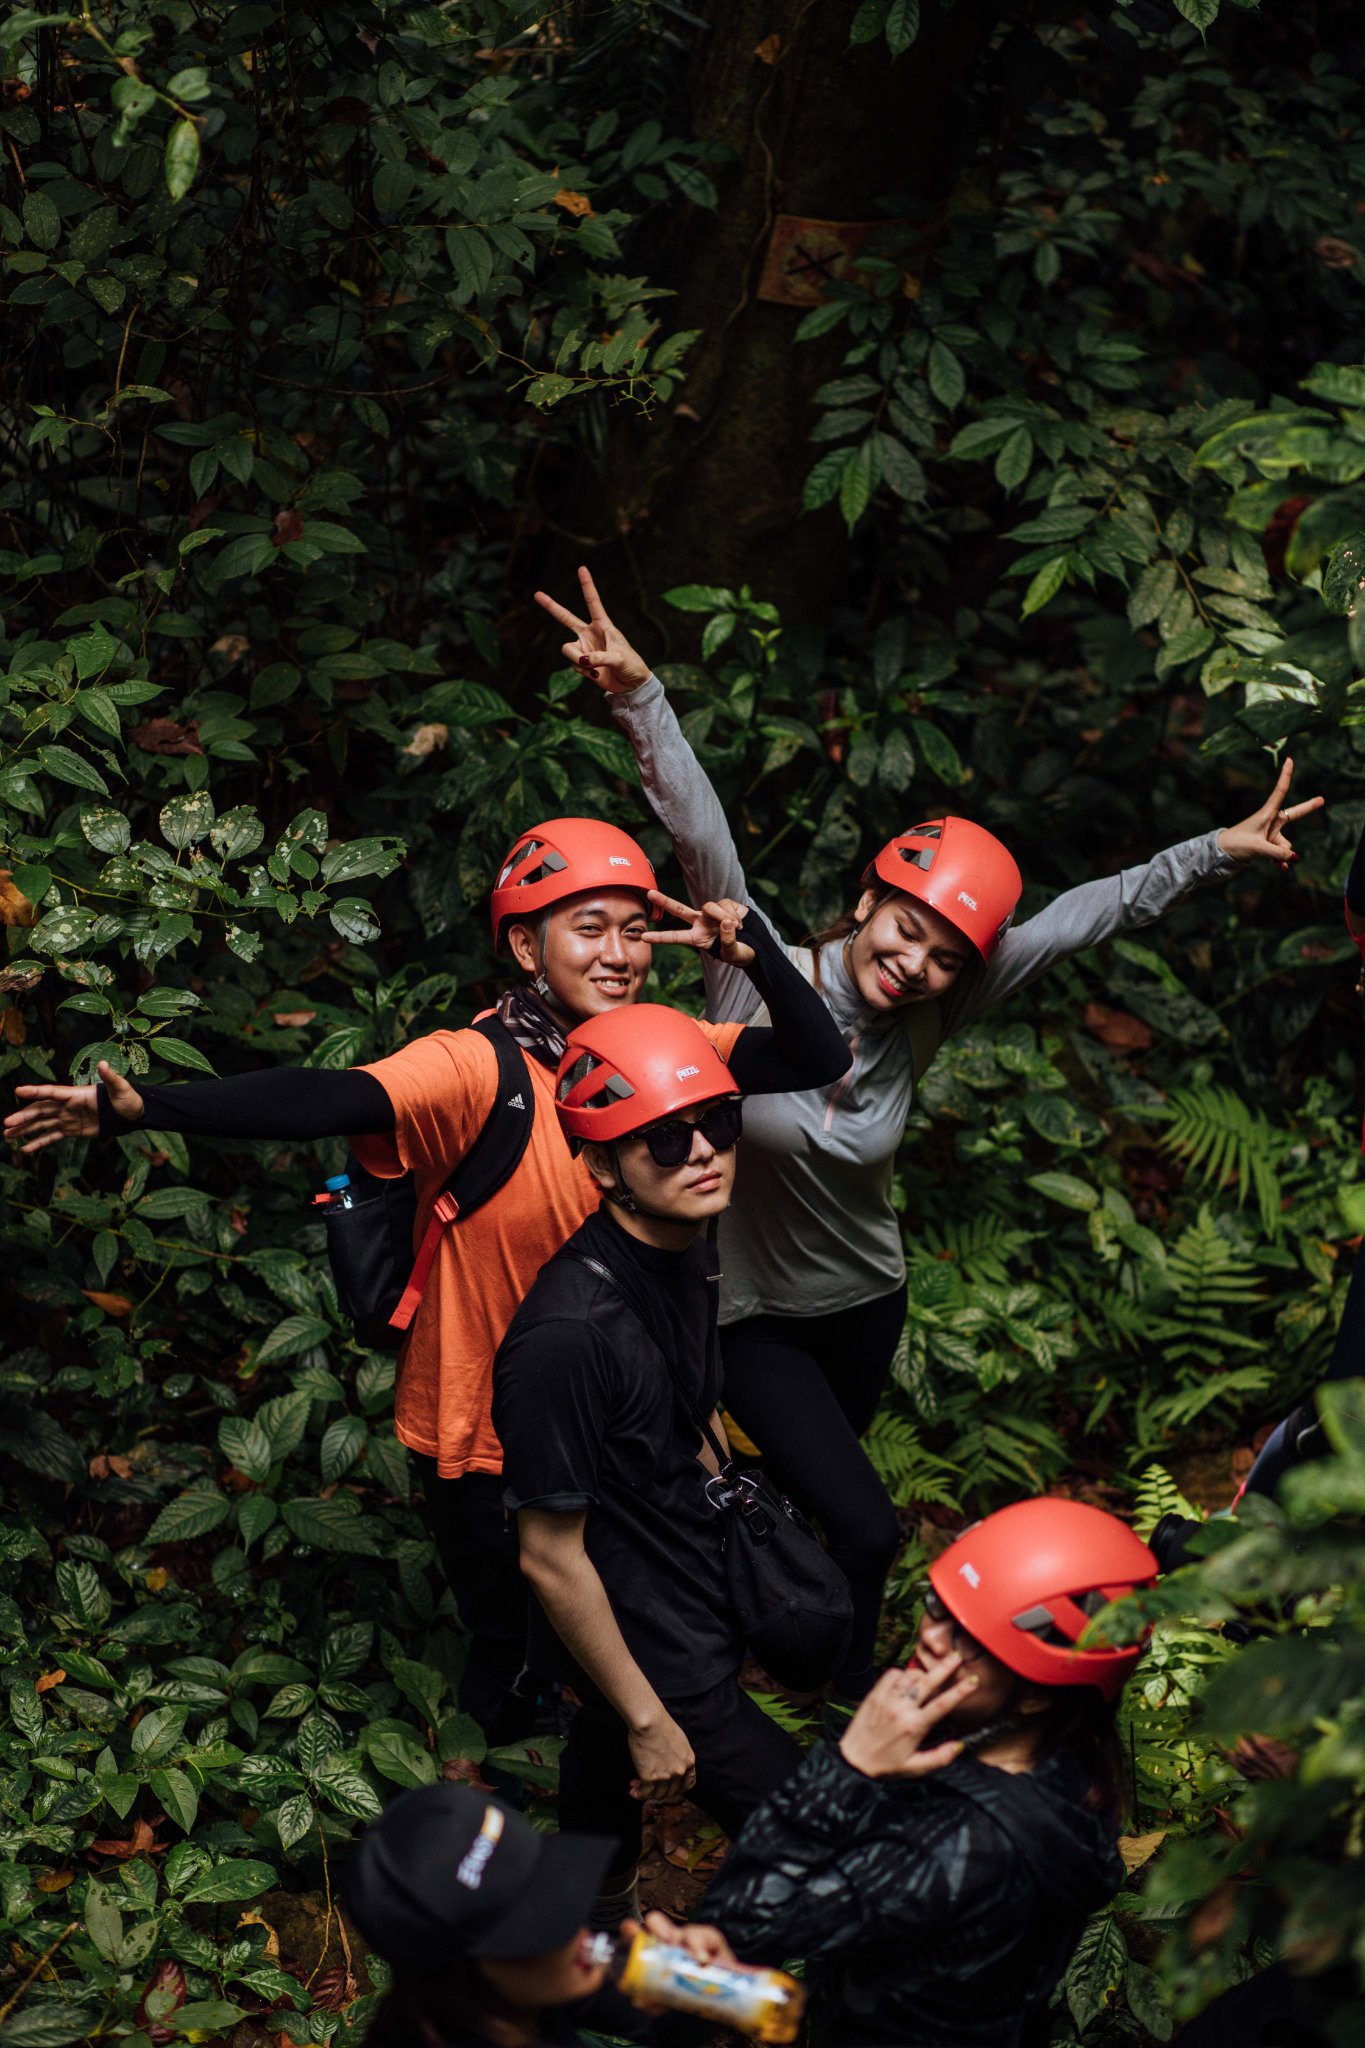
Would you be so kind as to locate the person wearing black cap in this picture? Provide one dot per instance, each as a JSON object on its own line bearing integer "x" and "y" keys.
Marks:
{"x": 483, "y": 1920}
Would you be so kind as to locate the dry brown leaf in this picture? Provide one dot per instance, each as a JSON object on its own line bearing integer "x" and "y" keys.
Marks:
{"x": 576, "y": 203}
{"x": 294, "y": 1020}
{"x": 1136, "y": 1849}
{"x": 253, "y": 1919}
{"x": 111, "y": 1464}
{"x": 15, "y": 907}
{"x": 13, "y": 1029}
{"x": 768, "y": 51}
{"x": 112, "y": 1304}
{"x": 238, "y": 1220}
{"x": 57, "y": 1880}
{"x": 288, "y": 525}
{"x": 1214, "y": 1917}
{"x": 1336, "y": 254}
{"x": 232, "y": 646}
{"x": 17, "y": 981}
{"x": 142, "y": 1842}
{"x": 428, "y": 739}
{"x": 166, "y": 736}
{"x": 157, "y": 1579}
{"x": 1116, "y": 1029}
{"x": 48, "y": 1680}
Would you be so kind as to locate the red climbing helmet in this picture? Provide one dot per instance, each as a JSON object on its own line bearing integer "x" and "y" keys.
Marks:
{"x": 563, "y": 857}
{"x": 960, "y": 870}
{"x": 631, "y": 1067}
{"x": 1024, "y": 1583}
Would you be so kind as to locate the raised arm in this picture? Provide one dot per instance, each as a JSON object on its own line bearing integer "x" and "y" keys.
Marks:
{"x": 280, "y": 1102}
{"x": 674, "y": 781}
{"x": 801, "y": 1047}
{"x": 1125, "y": 902}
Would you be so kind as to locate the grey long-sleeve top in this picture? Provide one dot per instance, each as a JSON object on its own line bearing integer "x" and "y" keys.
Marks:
{"x": 812, "y": 1229}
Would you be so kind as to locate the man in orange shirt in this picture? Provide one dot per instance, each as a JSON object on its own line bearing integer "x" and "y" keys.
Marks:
{"x": 572, "y": 904}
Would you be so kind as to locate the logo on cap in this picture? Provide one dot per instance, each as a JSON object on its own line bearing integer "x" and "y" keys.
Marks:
{"x": 475, "y": 1859}
{"x": 617, "y": 860}
{"x": 970, "y": 901}
{"x": 684, "y": 1073}
{"x": 970, "y": 1573}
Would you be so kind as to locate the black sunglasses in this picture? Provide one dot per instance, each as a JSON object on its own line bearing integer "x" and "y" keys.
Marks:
{"x": 670, "y": 1143}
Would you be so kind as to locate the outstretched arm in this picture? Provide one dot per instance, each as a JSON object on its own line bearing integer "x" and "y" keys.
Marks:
{"x": 1125, "y": 902}
{"x": 280, "y": 1102}
{"x": 802, "y": 1047}
{"x": 675, "y": 783}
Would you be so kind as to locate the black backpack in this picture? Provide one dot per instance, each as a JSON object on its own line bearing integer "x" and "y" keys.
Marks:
{"x": 379, "y": 1284}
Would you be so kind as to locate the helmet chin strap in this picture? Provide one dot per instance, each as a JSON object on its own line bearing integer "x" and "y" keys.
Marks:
{"x": 623, "y": 1197}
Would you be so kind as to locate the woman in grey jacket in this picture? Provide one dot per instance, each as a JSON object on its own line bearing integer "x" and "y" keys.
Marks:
{"x": 813, "y": 1296}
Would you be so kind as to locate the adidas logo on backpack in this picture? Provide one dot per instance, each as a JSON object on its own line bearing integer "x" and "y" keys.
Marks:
{"x": 515, "y": 1102}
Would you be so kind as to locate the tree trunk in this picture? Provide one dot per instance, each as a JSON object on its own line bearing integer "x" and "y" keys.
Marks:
{"x": 711, "y": 490}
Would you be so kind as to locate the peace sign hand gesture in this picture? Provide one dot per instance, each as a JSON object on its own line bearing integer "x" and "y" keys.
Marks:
{"x": 1263, "y": 833}
{"x": 603, "y": 654}
{"x": 715, "y": 925}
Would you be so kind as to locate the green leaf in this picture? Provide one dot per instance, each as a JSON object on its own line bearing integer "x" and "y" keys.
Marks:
{"x": 335, "y": 1524}
{"x": 182, "y": 157}
{"x": 186, "y": 819}
{"x": 205, "y": 2017}
{"x": 355, "y": 920}
{"x": 71, "y": 767}
{"x": 1015, "y": 459}
{"x": 1203, "y": 13}
{"x": 292, "y": 1337}
{"x": 42, "y": 222}
{"x": 700, "y": 597}
{"x": 107, "y": 830}
{"x": 1343, "y": 575}
{"x": 193, "y": 1514}
{"x": 902, "y": 25}
{"x": 246, "y": 1445}
{"x": 342, "y": 1443}
{"x": 256, "y": 1513}
{"x": 294, "y": 1819}
{"x": 159, "y": 1734}
{"x": 401, "y": 1757}
{"x": 858, "y": 482}
{"x": 1044, "y": 586}
{"x": 180, "y": 1053}
{"x": 177, "y": 1795}
{"x": 946, "y": 378}
{"x": 1066, "y": 1189}
{"x": 471, "y": 259}
{"x": 348, "y": 1790}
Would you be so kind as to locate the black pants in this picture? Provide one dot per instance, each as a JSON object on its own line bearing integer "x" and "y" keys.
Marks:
{"x": 741, "y": 1755}
{"x": 476, "y": 1540}
{"x": 805, "y": 1389}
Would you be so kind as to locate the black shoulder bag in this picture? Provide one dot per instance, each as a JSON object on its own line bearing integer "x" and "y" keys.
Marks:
{"x": 791, "y": 1598}
{"x": 379, "y": 1283}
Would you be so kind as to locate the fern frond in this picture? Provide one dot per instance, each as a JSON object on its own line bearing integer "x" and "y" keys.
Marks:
{"x": 907, "y": 1468}
{"x": 1215, "y": 1131}
{"x": 1157, "y": 1495}
{"x": 1178, "y": 1411}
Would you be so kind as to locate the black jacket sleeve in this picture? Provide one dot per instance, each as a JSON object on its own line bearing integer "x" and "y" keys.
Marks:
{"x": 280, "y": 1102}
{"x": 803, "y": 1047}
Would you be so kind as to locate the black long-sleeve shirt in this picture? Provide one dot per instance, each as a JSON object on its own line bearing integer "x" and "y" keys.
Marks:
{"x": 931, "y": 1911}
{"x": 803, "y": 1048}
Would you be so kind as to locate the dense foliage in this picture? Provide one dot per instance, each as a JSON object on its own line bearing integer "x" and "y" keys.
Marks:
{"x": 319, "y": 323}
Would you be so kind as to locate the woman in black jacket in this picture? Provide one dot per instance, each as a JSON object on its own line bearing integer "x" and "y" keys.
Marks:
{"x": 938, "y": 1892}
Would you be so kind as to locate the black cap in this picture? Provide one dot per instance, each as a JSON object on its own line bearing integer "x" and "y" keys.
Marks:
{"x": 449, "y": 1871}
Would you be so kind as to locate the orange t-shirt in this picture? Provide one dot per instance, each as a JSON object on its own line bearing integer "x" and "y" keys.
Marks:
{"x": 441, "y": 1088}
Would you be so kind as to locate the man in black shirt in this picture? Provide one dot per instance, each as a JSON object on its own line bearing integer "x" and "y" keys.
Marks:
{"x": 592, "y": 1389}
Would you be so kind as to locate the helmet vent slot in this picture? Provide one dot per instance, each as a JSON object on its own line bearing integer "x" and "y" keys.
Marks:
{"x": 918, "y": 856}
